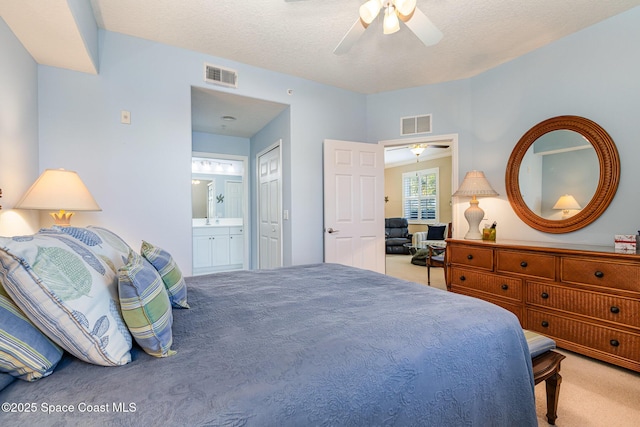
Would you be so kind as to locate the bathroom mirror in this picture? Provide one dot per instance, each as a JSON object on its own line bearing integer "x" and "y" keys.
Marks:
{"x": 217, "y": 188}
{"x": 562, "y": 174}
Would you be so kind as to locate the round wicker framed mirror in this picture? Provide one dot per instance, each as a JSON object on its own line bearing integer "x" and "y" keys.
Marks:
{"x": 528, "y": 200}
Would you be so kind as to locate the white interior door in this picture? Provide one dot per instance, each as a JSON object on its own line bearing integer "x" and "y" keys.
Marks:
{"x": 353, "y": 204}
{"x": 269, "y": 205}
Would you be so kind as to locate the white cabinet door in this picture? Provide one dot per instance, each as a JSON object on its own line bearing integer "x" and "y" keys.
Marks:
{"x": 236, "y": 246}
{"x": 201, "y": 251}
{"x": 219, "y": 250}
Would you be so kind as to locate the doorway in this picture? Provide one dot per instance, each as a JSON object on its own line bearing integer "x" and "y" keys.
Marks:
{"x": 441, "y": 153}
{"x": 219, "y": 199}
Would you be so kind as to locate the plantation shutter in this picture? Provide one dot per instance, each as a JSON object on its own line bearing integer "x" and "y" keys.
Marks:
{"x": 420, "y": 196}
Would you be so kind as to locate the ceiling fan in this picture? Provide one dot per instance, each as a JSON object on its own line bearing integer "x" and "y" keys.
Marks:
{"x": 418, "y": 149}
{"x": 394, "y": 11}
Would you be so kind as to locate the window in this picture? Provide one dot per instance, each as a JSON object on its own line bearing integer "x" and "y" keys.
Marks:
{"x": 420, "y": 196}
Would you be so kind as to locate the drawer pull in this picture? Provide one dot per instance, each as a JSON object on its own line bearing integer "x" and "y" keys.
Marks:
{"x": 469, "y": 257}
{"x": 615, "y": 310}
{"x": 599, "y": 274}
{"x": 462, "y": 278}
{"x": 523, "y": 264}
{"x": 544, "y": 295}
{"x": 545, "y": 324}
{"x": 614, "y": 343}
{"x": 504, "y": 287}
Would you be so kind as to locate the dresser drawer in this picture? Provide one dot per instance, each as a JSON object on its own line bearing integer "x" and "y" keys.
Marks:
{"x": 602, "y": 273}
{"x": 522, "y": 262}
{"x": 506, "y": 287}
{"x": 470, "y": 256}
{"x": 613, "y": 308}
{"x": 515, "y": 308}
{"x": 609, "y": 340}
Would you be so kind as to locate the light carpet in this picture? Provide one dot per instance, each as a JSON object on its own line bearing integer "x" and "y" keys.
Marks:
{"x": 592, "y": 394}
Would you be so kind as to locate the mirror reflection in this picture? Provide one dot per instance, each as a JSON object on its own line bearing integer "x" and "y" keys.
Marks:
{"x": 559, "y": 174}
{"x": 216, "y": 190}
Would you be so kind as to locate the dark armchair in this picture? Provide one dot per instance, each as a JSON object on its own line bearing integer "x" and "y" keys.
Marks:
{"x": 397, "y": 235}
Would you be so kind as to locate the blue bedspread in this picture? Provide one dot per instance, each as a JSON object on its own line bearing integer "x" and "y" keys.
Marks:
{"x": 316, "y": 345}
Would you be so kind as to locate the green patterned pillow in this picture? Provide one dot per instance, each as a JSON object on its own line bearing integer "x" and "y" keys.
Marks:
{"x": 169, "y": 271}
{"x": 107, "y": 245}
{"x": 145, "y": 306}
{"x": 25, "y": 352}
{"x": 69, "y": 294}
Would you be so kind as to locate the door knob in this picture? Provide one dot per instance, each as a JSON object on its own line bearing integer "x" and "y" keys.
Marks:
{"x": 331, "y": 230}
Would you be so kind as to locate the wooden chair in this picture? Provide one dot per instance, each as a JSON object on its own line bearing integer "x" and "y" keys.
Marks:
{"x": 435, "y": 258}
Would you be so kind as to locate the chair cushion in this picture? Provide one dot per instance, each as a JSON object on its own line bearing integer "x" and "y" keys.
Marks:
{"x": 537, "y": 343}
{"x": 436, "y": 232}
{"x": 396, "y": 223}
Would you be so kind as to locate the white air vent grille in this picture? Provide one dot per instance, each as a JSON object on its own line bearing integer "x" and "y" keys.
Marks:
{"x": 220, "y": 76}
{"x": 415, "y": 124}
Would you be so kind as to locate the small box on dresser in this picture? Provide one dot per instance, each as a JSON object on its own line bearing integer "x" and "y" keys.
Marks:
{"x": 587, "y": 298}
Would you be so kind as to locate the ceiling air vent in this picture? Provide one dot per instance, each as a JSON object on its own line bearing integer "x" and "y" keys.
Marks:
{"x": 415, "y": 124}
{"x": 220, "y": 76}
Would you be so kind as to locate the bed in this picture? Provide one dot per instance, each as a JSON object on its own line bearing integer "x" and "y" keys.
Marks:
{"x": 313, "y": 345}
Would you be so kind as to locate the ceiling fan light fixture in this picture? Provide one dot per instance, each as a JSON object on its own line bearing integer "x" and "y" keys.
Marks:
{"x": 391, "y": 23}
{"x": 417, "y": 150}
{"x": 370, "y": 10}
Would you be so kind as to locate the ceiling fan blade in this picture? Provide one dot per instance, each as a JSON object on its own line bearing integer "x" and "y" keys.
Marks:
{"x": 423, "y": 28}
{"x": 439, "y": 146}
{"x": 350, "y": 38}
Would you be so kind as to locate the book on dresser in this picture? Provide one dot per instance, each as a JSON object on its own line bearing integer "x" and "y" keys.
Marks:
{"x": 587, "y": 298}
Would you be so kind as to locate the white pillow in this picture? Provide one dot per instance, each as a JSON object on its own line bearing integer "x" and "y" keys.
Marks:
{"x": 68, "y": 293}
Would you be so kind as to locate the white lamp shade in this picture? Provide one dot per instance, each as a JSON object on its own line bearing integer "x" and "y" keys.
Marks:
{"x": 475, "y": 184}
{"x": 391, "y": 24}
{"x": 58, "y": 189}
{"x": 405, "y": 7}
{"x": 370, "y": 10}
{"x": 567, "y": 202}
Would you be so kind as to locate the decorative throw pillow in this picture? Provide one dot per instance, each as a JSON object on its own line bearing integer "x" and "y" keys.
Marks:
{"x": 436, "y": 232}
{"x": 169, "y": 271}
{"x": 5, "y": 380}
{"x": 25, "y": 352}
{"x": 69, "y": 294}
{"x": 145, "y": 306}
{"x": 104, "y": 243}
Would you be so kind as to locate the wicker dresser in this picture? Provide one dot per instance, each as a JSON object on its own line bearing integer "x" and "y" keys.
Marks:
{"x": 587, "y": 298}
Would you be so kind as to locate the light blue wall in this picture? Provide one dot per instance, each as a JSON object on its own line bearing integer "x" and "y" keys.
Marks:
{"x": 18, "y": 132}
{"x": 140, "y": 173}
{"x": 592, "y": 73}
{"x": 220, "y": 144}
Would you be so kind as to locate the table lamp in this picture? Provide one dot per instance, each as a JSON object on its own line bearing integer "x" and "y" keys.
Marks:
{"x": 61, "y": 190}
{"x": 567, "y": 203}
{"x": 474, "y": 185}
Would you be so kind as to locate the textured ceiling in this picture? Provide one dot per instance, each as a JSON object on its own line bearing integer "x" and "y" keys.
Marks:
{"x": 298, "y": 37}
